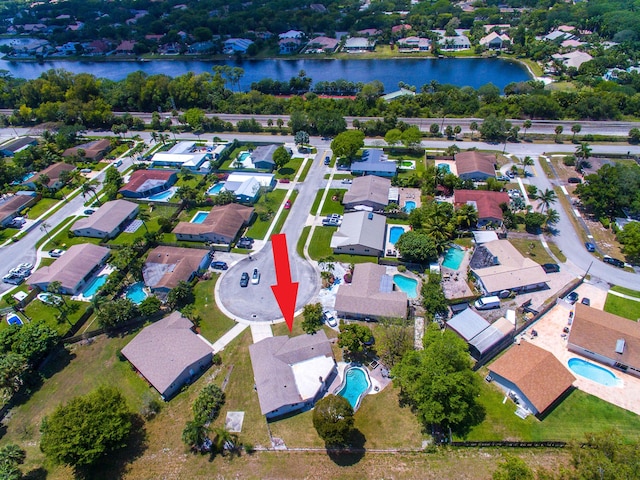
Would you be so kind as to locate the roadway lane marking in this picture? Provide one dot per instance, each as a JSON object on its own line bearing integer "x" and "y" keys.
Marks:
{"x": 576, "y": 212}
{"x": 564, "y": 190}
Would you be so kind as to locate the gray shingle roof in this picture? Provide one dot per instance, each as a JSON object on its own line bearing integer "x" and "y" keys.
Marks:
{"x": 361, "y": 228}
{"x": 368, "y": 189}
{"x": 108, "y": 217}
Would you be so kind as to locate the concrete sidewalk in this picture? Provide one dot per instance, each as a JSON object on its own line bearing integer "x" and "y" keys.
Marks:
{"x": 228, "y": 337}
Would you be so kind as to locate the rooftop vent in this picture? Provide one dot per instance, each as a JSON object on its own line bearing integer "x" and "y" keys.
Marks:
{"x": 620, "y": 346}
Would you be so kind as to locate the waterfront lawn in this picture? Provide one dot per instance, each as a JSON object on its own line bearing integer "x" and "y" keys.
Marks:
{"x": 213, "y": 322}
{"x": 623, "y": 307}
{"x": 269, "y": 202}
{"x": 290, "y": 169}
{"x": 319, "y": 248}
{"x": 577, "y": 414}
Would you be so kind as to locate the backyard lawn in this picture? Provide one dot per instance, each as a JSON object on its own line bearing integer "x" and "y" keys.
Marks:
{"x": 623, "y": 307}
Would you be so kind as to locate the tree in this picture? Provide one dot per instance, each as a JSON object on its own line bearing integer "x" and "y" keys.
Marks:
{"x": 116, "y": 313}
{"x": 11, "y": 455}
{"x": 629, "y": 237}
{"x": 394, "y": 338}
{"x": 149, "y": 306}
{"x": 12, "y": 370}
{"x": 393, "y": 137}
{"x": 194, "y": 434}
{"x": 347, "y": 144}
{"x": 301, "y": 138}
{"x": 495, "y": 129}
{"x": 547, "y": 198}
{"x": 553, "y": 217}
{"x": 313, "y": 318}
{"x": 281, "y": 157}
{"x": 473, "y": 126}
{"x": 434, "y": 129}
{"x": 634, "y": 135}
{"x": 417, "y": 247}
{"x": 180, "y": 295}
{"x": 333, "y": 420}
{"x": 298, "y": 122}
{"x": 526, "y": 125}
{"x": 87, "y": 428}
{"x": 411, "y": 137}
{"x": 466, "y": 217}
{"x": 605, "y": 455}
{"x": 353, "y": 337}
{"x": 583, "y": 152}
{"x": 575, "y": 129}
{"x": 56, "y": 288}
{"x": 433, "y": 299}
{"x": 90, "y": 187}
{"x": 533, "y": 221}
{"x": 527, "y": 162}
{"x": 512, "y": 468}
{"x": 559, "y": 129}
{"x": 207, "y": 405}
{"x": 439, "y": 382}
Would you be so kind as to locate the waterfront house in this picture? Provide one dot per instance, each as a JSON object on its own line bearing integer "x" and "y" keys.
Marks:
{"x": 236, "y": 45}
{"x": 106, "y": 222}
{"x": 359, "y": 44}
{"x": 322, "y": 45}
{"x": 361, "y": 233}
{"x": 453, "y": 43}
{"x": 495, "y": 41}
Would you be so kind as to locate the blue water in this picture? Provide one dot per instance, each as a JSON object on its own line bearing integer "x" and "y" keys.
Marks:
{"x": 409, "y": 206}
{"x": 24, "y": 179}
{"x": 453, "y": 258}
{"x": 199, "y": 218}
{"x": 445, "y": 167}
{"x": 355, "y": 386}
{"x": 136, "y": 293}
{"x": 407, "y": 285}
{"x": 216, "y": 189}
{"x": 593, "y": 372}
{"x": 92, "y": 288}
{"x": 243, "y": 156}
{"x": 162, "y": 196}
{"x": 394, "y": 234}
{"x": 14, "y": 320}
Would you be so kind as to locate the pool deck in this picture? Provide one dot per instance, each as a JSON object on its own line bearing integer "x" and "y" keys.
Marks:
{"x": 452, "y": 165}
{"x": 409, "y": 194}
{"x": 376, "y": 379}
{"x": 550, "y": 331}
{"x": 454, "y": 282}
{"x": 106, "y": 270}
{"x": 389, "y": 248}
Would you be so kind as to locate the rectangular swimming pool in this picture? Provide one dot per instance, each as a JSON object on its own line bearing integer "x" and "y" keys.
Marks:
{"x": 199, "y": 217}
{"x": 453, "y": 258}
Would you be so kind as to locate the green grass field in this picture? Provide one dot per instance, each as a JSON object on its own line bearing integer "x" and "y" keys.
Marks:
{"x": 305, "y": 170}
{"x": 319, "y": 248}
{"x": 42, "y": 206}
{"x": 623, "y": 307}
{"x": 290, "y": 169}
{"x": 272, "y": 201}
{"x": 214, "y": 323}
{"x": 626, "y": 291}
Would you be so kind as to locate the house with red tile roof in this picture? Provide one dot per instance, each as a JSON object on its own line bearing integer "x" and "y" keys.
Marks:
{"x": 486, "y": 203}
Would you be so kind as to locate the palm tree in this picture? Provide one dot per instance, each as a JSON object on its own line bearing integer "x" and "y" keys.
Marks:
{"x": 194, "y": 434}
{"x": 547, "y": 198}
{"x": 583, "y": 152}
{"x": 526, "y": 125}
{"x": 466, "y": 216}
{"x": 154, "y": 137}
{"x": 224, "y": 440}
{"x": 553, "y": 217}
{"x": 527, "y": 162}
{"x": 97, "y": 301}
{"x": 575, "y": 128}
{"x": 91, "y": 187}
{"x": 144, "y": 217}
{"x": 45, "y": 226}
{"x": 559, "y": 129}
{"x": 56, "y": 287}
{"x": 473, "y": 126}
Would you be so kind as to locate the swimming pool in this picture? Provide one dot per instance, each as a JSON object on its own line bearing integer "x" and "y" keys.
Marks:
{"x": 445, "y": 167}
{"x": 453, "y": 258}
{"x": 136, "y": 293}
{"x": 355, "y": 386}
{"x": 394, "y": 234}
{"x": 243, "y": 156}
{"x": 593, "y": 372}
{"x": 92, "y": 288}
{"x": 409, "y": 206}
{"x": 13, "y": 319}
{"x": 162, "y": 196}
{"x": 199, "y": 217}
{"x": 407, "y": 285}
{"x": 216, "y": 189}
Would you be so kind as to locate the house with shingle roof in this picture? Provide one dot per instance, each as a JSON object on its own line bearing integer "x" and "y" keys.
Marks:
{"x": 370, "y": 191}
{"x": 94, "y": 150}
{"x": 165, "y": 267}
{"x": 606, "y": 338}
{"x": 262, "y": 157}
{"x": 17, "y": 145}
{"x": 474, "y": 165}
{"x": 223, "y": 224}
{"x": 169, "y": 354}
{"x": 534, "y": 374}
{"x": 486, "y": 203}
{"x": 73, "y": 270}
{"x": 52, "y": 172}
{"x": 12, "y": 205}
{"x": 370, "y": 295}
{"x": 361, "y": 233}
{"x": 291, "y": 374}
{"x": 108, "y": 221}
{"x": 146, "y": 182}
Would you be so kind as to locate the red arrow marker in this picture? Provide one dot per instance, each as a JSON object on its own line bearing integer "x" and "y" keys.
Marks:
{"x": 285, "y": 291}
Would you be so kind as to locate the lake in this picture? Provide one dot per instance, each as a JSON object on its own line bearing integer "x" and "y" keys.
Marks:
{"x": 472, "y": 72}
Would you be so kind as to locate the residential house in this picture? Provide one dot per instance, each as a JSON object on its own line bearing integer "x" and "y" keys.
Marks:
{"x": 169, "y": 354}
{"x": 478, "y": 333}
{"x": 236, "y": 45}
{"x": 359, "y": 44}
{"x": 73, "y": 270}
{"x": 414, "y": 44}
{"x": 183, "y": 155}
{"x": 93, "y": 151}
{"x": 573, "y": 59}
{"x": 453, "y": 43}
{"x": 495, "y": 41}
{"x": 533, "y": 376}
{"x": 291, "y": 34}
{"x": 374, "y": 162}
{"x": 291, "y": 374}
{"x": 200, "y": 48}
{"x": 262, "y": 157}
{"x": 400, "y": 28}
{"x": 53, "y": 173}
{"x": 126, "y": 47}
{"x": 486, "y": 203}
{"x": 246, "y": 185}
{"x": 606, "y": 338}
{"x": 17, "y": 145}
{"x": 370, "y": 191}
{"x": 223, "y": 224}
{"x": 147, "y": 182}
{"x": 288, "y": 46}
{"x": 96, "y": 47}
{"x": 500, "y": 267}
{"x": 371, "y": 295}
{"x": 322, "y": 45}
{"x": 403, "y": 92}
{"x": 165, "y": 267}
{"x": 108, "y": 221}
{"x": 369, "y": 32}
{"x": 474, "y": 165}
{"x": 11, "y": 205}
{"x": 361, "y": 233}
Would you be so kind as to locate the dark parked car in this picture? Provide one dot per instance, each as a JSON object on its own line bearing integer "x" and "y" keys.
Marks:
{"x": 247, "y": 240}
{"x": 244, "y": 279}
{"x": 572, "y": 298}
{"x": 219, "y": 265}
{"x": 89, "y": 211}
{"x": 327, "y": 160}
{"x": 574, "y": 180}
{"x": 586, "y": 301}
{"x": 551, "y": 267}
{"x": 591, "y": 247}
{"x": 614, "y": 261}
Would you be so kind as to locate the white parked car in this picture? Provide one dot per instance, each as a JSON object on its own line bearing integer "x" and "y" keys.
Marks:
{"x": 56, "y": 253}
{"x": 329, "y": 319}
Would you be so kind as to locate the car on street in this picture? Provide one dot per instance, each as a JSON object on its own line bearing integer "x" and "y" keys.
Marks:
{"x": 255, "y": 277}
{"x": 334, "y": 216}
{"x": 13, "y": 279}
{"x": 347, "y": 181}
{"x": 331, "y": 222}
{"x": 327, "y": 160}
{"x": 591, "y": 247}
{"x": 585, "y": 301}
{"x": 329, "y": 319}
{"x": 572, "y": 298}
{"x": 551, "y": 267}
{"x": 56, "y": 253}
{"x": 287, "y": 205}
{"x": 89, "y": 211}
{"x": 502, "y": 178}
{"x": 613, "y": 261}
{"x": 285, "y": 180}
{"x": 574, "y": 180}
{"x": 244, "y": 279}
{"x": 219, "y": 265}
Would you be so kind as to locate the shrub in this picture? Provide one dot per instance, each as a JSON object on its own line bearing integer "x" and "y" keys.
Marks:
{"x": 569, "y": 160}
